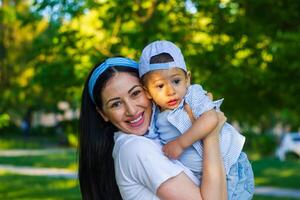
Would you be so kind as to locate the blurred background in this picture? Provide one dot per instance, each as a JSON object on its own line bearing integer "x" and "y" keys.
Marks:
{"x": 244, "y": 51}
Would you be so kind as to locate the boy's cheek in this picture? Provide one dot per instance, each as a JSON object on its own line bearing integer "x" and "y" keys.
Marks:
{"x": 148, "y": 95}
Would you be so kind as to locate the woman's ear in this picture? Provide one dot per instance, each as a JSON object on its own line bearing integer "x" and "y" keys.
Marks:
{"x": 188, "y": 78}
{"x": 102, "y": 114}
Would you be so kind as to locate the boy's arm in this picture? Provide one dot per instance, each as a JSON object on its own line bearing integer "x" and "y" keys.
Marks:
{"x": 200, "y": 128}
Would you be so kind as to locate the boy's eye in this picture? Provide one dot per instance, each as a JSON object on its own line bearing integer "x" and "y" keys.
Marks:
{"x": 160, "y": 86}
{"x": 176, "y": 81}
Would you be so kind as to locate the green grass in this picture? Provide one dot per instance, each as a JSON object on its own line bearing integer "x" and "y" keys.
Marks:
{"x": 267, "y": 171}
{"x": 37, "y": 187}
{"x": 272, "y": 172}
{"x": 18, "y": 142}
{"x": 256, "y": 197}
{"x": 66, "y": 159}
{"x": 15, "y": 186}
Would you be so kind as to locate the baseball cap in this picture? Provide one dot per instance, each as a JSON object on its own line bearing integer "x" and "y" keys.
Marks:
{"x": 156, "y": 48}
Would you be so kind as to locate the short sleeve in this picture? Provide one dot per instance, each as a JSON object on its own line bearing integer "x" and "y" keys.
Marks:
{"x": 141, "y": 165}
{"x": 197, "y": 99}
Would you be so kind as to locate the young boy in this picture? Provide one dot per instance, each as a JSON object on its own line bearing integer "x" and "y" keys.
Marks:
{"x": 167, "y": 82}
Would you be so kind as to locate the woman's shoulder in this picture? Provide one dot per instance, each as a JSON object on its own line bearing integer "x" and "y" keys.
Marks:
{"x": 129, "y": 144}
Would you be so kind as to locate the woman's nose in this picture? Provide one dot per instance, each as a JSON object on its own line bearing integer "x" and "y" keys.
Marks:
{"x": 131, "y": 108}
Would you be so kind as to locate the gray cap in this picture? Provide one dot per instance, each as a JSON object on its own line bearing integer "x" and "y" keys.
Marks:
{"x": 156, "y": 48}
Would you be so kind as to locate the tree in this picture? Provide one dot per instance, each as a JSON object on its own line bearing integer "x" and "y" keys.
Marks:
{"x": 231, "y": 46}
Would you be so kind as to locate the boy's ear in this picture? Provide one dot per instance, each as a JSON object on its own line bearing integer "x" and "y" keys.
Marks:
{"x": 188, "y": 78}
{"x": 147, "y": 93}
{"x": 102, "y": 114}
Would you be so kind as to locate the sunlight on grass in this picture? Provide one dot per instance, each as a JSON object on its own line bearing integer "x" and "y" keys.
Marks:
{"x": 256, "y": 197}
{"x": 254, "y": 156}
{"x": 280, "y": 173}
{"x": 64, "y": 184}
{"x": 2, "y": 172}
{"x": 67, "y": 158}
{"x": 29, "y": 187}
{"x": 18, "y": 144}
{"x": 272, "y": 172}
{"x": 261, "y": 181}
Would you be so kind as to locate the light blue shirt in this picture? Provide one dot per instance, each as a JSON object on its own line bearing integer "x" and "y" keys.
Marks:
{"x": 172, "y": 123}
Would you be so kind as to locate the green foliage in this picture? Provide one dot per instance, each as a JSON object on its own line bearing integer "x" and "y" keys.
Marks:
{"x": 260, "y": 145}
{"x": 70, "y": 131}
{"x": 4, "y": 120}
{"x": 63, "y": 134}
{"x": 237, "y": 52}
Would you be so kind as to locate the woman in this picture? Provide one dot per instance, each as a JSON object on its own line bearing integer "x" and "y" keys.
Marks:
{"x": 113, "y": 99}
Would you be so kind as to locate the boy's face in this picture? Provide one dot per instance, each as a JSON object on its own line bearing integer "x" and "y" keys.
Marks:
{"x": 167, "y": 87}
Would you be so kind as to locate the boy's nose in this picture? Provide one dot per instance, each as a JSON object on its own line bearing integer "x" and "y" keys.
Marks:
{"x": 170, "y": 90}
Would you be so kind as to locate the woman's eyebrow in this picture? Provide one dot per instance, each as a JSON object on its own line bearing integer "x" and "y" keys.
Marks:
{"x": 113, "y": 99}
{"x": 134, "y": 88}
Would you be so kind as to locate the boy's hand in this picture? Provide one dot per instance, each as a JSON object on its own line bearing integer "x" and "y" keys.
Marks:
{"x": 173, "y": 149}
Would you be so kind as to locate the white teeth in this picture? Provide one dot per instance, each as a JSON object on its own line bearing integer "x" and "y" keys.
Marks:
{"x": 136, "y": 120}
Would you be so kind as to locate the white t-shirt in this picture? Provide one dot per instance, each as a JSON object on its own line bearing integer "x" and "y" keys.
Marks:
{"x": 141, "y": 167}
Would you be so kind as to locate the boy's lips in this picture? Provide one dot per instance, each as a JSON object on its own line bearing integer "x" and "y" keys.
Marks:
{"x": 173, "y": 102}
{"x": 137, "y": 120}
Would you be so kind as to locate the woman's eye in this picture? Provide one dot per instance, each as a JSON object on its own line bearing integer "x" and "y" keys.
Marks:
{"x": 115, "y": 105}
{"x": 136, "y": 93}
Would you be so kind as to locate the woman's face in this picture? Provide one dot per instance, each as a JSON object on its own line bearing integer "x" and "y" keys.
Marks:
{"x": 125, "y": 104}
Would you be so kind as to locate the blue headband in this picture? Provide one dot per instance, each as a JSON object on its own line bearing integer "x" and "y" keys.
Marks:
{"x": 110, "y": 62}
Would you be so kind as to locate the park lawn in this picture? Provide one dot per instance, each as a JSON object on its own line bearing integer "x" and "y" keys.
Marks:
{"x": 15, "y": 141}
{"x": 272, "y": 172}
{"x": 37, "y": 187}
{"x": 256, "y": 197}
{"x": 267, "y": 171}
{"x": 67, "y": 158}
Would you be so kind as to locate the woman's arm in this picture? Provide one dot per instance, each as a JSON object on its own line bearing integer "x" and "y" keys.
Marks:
{"x": 179, "y": 187}
{"x": 214, "y": 177}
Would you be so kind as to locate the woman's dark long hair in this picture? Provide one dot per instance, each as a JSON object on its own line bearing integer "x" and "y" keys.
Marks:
{"x": 96, "y": 165}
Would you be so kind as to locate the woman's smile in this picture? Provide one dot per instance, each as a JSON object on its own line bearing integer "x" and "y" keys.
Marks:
{"x": 137, "y": 120}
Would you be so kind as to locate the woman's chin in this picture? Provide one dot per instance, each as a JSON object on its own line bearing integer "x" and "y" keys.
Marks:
{"x": 137, "y": 130}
